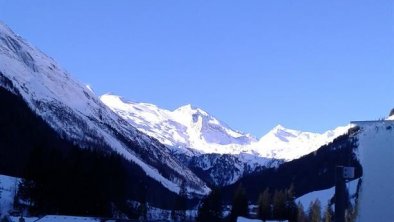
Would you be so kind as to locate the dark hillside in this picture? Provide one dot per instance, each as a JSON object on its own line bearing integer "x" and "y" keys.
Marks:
{"x": 30, "y": 148}
{"x": 315, "y": 171}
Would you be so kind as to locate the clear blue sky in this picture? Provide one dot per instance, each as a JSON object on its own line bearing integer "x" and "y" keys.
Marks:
{"x": 309, "y": 65}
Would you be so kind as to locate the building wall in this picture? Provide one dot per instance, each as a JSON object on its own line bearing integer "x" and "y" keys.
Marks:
{"x": 376, "y": 153}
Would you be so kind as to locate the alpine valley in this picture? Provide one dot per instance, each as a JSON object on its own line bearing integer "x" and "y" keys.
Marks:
{"x": 210, "y": 147}
{"x": 156, "y": 154}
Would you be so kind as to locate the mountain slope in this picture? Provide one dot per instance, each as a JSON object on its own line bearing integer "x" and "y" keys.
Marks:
{"x": 282, "y": 143}
{"x": 192, "y": 130}
{"x": 217, "y": 153}
{"x": 77, "y": 114}
{"x": 186, "y": 129}
{"x": 23, "y": 133}
{"x": 312, "y": 172}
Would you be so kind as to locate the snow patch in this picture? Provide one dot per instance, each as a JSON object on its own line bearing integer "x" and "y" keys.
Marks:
{"x": 57, "y": 218}
{"x": 8, "y": 188}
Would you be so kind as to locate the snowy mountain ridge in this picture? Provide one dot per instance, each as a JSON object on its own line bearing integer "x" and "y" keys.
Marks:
{"x": 78, "y": 115}
{"x": 287, "y": 144}
{"x": 186, "y": 129}
{"x": 138, "y": 130}
{"x": 192, "y": 130}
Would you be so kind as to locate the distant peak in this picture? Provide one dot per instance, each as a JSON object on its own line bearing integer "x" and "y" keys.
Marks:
{"x": 189, "y": 108}
{"x": 391, "y": 114}
{"x": 278, "y": 127}
{"x": 281, "y": 131}
{"x": 7, "y": 31}
{"x": 113, "y": 97}
{"x": 110, "y": 95}
{"x": 4, "y": 27}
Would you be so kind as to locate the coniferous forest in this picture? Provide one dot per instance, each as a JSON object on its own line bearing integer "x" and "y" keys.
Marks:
{"x": 64, "y": 178}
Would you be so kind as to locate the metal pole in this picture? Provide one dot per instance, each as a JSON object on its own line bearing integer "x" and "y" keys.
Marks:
{"x": 340, "y": 188}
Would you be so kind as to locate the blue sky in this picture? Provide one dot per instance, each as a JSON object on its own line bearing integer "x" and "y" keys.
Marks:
{"x": 308, "y": 65}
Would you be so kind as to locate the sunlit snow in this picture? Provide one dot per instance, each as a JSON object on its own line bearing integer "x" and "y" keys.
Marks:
{"x": 189, "y": 127}
{"x": 74, "y": 110}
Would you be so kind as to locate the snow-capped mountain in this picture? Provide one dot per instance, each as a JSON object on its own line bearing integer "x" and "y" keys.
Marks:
{"x": 287, "y": 144}
{"x": 79, "y": 116}
{"x": 192, "y": 130}
{"x": 192, "y": 138}
{"x": 187, "y": 129}
{"x": 197, "y": 138}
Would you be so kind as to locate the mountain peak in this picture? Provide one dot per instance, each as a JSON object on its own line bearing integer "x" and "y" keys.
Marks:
{"x": 114, "y": 99}
{"x": 4, "y": 28}
{"x": 190, "y": 109}
{"x": 76, "y": 114}
{"x": 278, "y": 127}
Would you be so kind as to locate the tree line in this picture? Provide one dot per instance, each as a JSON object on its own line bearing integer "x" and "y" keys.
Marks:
{"x": 272, "y": 204}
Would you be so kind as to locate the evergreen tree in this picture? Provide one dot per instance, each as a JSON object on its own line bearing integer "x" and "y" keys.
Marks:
{"x": 173, "y": 215}
{"x": 179, "y": 213}
{"x": 291, "y": 206}
{"x": 73, "y": 182}
{"x": 391, "y": 112}
{"x": 315, "y": 211}
{"x": 264, "y": 202}
{"x": 240, "y": 204}
{"x": 290, "y": 192}
{"x": 0, "y": 199}
{"x": 301, "y": 216}
{"x": 143, "y": 211}
{"x": 328, "y": 214}
{"x": 279, "y": 203}
{"x": 210, "y": 209}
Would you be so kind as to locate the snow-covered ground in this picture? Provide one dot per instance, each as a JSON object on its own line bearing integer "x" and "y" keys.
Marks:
{"x": 157, "y": 214}
{"x": 57, "y": 218}
{"x": 243, "y": 219}
{"x": 376, "y": 153}
{"x": 27, "y": 219}
{"x": 8, "y": 188}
